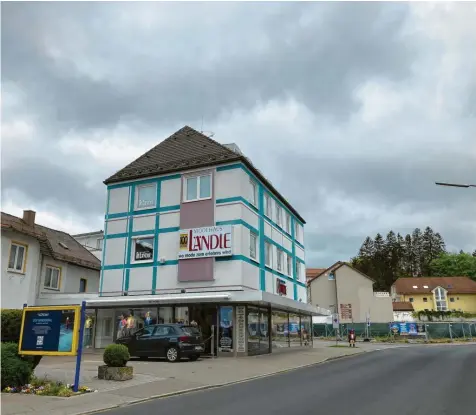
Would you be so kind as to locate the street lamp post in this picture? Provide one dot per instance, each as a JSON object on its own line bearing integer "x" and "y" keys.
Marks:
{"x": 455, "y": 184}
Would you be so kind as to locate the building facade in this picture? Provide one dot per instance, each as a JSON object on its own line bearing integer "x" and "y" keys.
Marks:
{"x": 92, "y": 241}
{"x": 38, "y": 262}
{"x": 194, "y": 232}
{"x": 436, "y": 293}
{"x": 348, "y": 292}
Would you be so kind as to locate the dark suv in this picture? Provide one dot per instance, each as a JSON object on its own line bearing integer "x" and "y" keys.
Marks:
{"x": 172, "y": 341}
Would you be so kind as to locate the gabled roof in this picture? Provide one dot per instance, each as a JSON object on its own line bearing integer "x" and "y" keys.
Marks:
{"x": 312, "y": 273}
{"x": 402, "y": 306}
{"x": 188, "y": 149}
{"x": 53, "y": 242}
{"x": 425, "y": 285}
{"x": 334, "y": 268}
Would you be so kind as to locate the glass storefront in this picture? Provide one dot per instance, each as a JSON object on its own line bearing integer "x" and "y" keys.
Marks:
{"x": 279, "y": 329}
{"x": 306, "y": 328}
{"x": 258, "y": 333}
{"x": 181, "y": 315}
{"x": 166, "y": 315}
{"x": 89, "y": 328}
{"x": 294, "y": 330}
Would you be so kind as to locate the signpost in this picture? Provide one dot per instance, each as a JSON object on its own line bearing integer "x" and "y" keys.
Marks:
{"x": 53, "y": 331}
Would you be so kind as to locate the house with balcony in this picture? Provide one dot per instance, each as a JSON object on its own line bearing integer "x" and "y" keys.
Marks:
{"x": 194, "y": 232}
{"x": 39, "y": 262}
{"x": 436, "y": 293}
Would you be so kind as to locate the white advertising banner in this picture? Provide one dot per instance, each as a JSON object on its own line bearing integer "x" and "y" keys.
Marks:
{"x": 211, "y": 241}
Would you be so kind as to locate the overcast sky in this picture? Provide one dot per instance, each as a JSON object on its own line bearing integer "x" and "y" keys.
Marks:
{"x": 353, "y": 111}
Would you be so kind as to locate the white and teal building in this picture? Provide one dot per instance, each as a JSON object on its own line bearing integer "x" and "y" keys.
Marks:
{"x": 194, "y": 232}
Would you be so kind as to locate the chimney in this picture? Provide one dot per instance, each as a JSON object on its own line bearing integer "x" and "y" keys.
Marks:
{"x": 29, "y": 217}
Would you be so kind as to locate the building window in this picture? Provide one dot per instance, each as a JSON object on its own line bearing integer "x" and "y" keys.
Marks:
{"x": 253, "y": 244}
{"x": 411, "y": 299}
{"x": 280, "y": 259}
{"x": 290, "y": 265}
{"x": 279, "y": 216}
{"x": 99, "y": 243}
{"x": 287, "y": 222}
{"x": 331, "y": 276}
{"x": 425, "y": 299}
{"x": 452, "y": 300}
{"x": 267, "y": 206}
{"x": 83, "y": 285}
{"x": 198, "y": 188}
{"x": 146, "y": 196}
{"x": 143, "y": 249}
{"x": 267, "y": 256}
{"x": 296, "y": 231}
{"x": 52, "y": 277}
{"x": 440, "y": 298}
{"x": 298, "y": 270}
{"x": 17, "y": 258}
{"x": 253, "y": 193}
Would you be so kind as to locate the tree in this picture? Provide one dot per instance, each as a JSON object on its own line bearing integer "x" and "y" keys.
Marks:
{"x": 454, "y": 265}
{"x": 432, "y": 247}
{"x": 417, "y": 246}
{"x": 474, "y": 253}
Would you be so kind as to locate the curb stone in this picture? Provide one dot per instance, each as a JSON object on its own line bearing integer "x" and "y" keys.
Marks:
{"x": 219, "y": 385}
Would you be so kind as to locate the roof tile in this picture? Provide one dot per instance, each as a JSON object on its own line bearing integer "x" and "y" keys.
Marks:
{"x": 425, "y": 285}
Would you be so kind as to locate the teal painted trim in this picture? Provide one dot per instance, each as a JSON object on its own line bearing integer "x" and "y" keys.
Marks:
{"x": 282, "y": 248}
{"x": 156, "y": 238}
{"x": 146, "y": 232}
{"x": 246, "y": 170}
{"x": 143, "y": 212}
{"x": 129, "y": 238}
{"x": 108, "y": 195}
{"x": 301, "y": 260}
{"x": 294, "y": 259}
{"x": 144, "y": 181}
{"x": 237, "y": 199}
{"x": 299, "y": 244}
{"x": 148, "y": 264}
{"x": 238, "y": 222}
{"x": 262, "y": 272}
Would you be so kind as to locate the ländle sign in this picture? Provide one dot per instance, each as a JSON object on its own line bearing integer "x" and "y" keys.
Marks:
{"x": 212, "y": 241}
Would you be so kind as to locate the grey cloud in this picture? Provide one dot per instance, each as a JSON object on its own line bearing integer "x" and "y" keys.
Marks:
{"x": 321, "y": 62}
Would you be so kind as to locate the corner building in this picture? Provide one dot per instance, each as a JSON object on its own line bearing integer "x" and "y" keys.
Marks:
{"x": 195, "y": 232}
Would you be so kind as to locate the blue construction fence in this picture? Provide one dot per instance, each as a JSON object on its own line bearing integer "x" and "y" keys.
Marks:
{"x": 440, "y": 330}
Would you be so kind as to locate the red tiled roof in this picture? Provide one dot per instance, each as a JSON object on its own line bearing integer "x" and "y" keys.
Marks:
{"x": 51, "y": 242}
{"x": 402, "y": 306}
{"x": 312, "y": 273}
{"x": 425, "y": 285}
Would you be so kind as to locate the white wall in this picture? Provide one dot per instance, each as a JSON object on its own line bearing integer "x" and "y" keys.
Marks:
{"x": 19, "y": 288}
{"x": 230, "y": 183}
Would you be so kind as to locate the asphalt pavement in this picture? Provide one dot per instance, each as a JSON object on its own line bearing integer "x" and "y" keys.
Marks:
{"x": 430, "y": 380}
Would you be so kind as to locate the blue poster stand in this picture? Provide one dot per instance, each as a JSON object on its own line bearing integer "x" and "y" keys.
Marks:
{"x": 80, "y": 347}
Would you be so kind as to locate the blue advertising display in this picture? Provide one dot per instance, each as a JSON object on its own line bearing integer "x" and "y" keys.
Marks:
{"x": 408, "y": 329}
{"x": 49, "y": 331}
{"x": 225, "y": 334}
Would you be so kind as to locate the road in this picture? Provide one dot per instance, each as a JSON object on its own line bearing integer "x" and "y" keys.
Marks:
{"x": 426, "y": 380}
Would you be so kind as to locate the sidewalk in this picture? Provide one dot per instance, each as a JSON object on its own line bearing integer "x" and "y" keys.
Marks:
{"x": 155, "y": 378}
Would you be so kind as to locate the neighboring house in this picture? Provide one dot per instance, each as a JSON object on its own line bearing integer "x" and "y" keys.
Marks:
{"x": 38, "y": 261}
{"x": 347, "y": 291}
{"x": 92, "y": 241}
{"x": 312, "y": 273}
{"x": 437, "y": 293}
{"x": 402, "y": 311}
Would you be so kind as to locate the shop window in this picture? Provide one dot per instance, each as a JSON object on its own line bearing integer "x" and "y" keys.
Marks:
{"x": 146, "y": 196}
{"x": 253, "y": 245}
{"x": 279, "y": 329}
{"x": 166, "y": 315}
{"x": 17, "y": 258}
{"x": 181, "y": 315}
{"x": 143, "y": 249}
{"x": 198, "y": 188}
{"x": 258, "y": 332}
{"x": 294, "y": 330}
{"x": 52, "y": 277}
{"x": 130, "y": 321}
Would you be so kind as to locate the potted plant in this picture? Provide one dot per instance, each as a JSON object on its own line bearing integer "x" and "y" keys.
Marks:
{"x": 115, "y": 358}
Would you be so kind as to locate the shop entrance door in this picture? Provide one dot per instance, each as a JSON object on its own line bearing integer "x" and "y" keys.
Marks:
{"x": 206, "y": 316}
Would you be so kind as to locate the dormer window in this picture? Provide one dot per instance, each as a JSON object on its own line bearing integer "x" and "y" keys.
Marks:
{"x": 415, "y": 286}
{"x": 425, "y": 286}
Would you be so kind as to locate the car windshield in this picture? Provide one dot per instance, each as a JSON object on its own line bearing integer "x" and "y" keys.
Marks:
{"x": 192, "y": 331}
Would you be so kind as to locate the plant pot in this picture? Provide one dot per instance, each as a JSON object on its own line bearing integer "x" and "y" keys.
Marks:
{"x": 115, "y": 373}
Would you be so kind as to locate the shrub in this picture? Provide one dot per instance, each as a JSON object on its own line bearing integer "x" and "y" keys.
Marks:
{"x": 16, "y": 372}
{"x": 116, "y": 355}
{"x": 11, "y": 324}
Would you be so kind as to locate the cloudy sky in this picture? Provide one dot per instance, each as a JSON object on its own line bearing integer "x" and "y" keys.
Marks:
{"x": 352, "y": 110}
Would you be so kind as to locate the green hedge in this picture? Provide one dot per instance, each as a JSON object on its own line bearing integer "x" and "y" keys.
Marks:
{"x": 11, "y": 324}
{"x": 116, "y": 355}
{"x": 16, "y": 371}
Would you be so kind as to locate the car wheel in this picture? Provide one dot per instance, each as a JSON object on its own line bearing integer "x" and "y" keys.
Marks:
{"x": 194, "y": 357}
{"x": 172, "y": 354}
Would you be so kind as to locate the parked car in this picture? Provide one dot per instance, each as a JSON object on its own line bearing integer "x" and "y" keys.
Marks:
{"x": 172, "y": 341}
